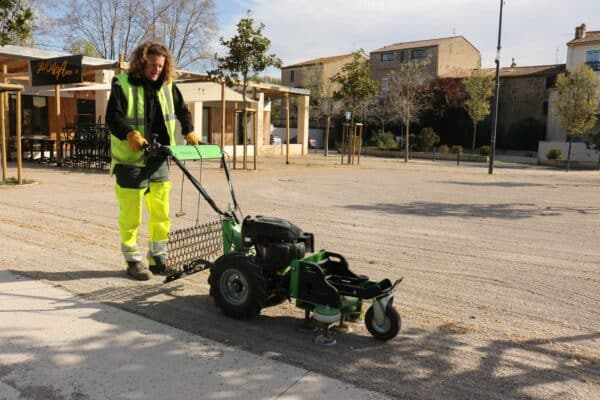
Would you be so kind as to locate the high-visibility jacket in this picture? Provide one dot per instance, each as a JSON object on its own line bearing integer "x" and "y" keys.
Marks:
{"x": 120, "y": 152}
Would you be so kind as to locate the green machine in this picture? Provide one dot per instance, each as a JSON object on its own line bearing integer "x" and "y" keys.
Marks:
{"x": 258, "y": 261}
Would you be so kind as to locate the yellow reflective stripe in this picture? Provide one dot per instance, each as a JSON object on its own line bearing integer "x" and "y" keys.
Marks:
{"x": 131, "y": 253}
{"x": 157, "y": 248}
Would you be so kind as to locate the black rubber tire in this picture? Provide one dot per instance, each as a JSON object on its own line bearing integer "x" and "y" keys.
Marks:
{"x": 391, "y": 326}
{"x": 237, "y": 286}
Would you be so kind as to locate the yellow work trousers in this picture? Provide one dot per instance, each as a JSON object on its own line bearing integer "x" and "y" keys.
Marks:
{"x": 130, "y": 219}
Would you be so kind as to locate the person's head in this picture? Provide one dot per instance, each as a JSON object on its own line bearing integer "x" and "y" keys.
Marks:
{"x": 153, "y": 61}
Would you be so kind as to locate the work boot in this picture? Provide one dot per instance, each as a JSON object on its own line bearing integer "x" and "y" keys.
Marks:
{"x": 158, "y": 265}
{"x": 138, "y": 271}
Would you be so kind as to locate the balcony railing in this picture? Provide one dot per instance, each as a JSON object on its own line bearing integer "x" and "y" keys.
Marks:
{"x": 595, "y": 65}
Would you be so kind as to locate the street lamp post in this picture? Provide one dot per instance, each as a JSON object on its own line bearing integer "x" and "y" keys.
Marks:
{"x": 496, "y": 97}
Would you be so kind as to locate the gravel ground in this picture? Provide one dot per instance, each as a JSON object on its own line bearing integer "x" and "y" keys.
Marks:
{"x": 500, "y": 298}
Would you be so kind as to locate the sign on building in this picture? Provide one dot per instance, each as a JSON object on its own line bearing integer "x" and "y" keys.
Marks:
{"x": 56, "y": 71}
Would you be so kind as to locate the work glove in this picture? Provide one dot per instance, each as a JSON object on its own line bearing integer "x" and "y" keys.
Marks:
{"x": 136, "y": 141}
{"x": 191, "y": 138}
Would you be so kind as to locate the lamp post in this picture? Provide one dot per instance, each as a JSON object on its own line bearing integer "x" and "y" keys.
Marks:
{"x": 496, "y": 99}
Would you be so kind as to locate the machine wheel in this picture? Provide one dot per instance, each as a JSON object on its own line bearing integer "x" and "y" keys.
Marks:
{"x": 238, "y": 287}
{"x": 390, "y": 327}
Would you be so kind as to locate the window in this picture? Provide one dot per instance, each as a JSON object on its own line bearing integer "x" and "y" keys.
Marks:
{"x": 418, "y": 54}
{"x": 384, "y": 85}
{"x": 292, "y": 76}
{"x": 592, "y": 59}
{"x": 387, "y": 56}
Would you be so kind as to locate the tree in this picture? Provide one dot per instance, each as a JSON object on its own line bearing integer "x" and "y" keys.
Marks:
{"x": 427, "y": 138}
{"x": 479, "y": 88}
{"x": 186, "y": 27}
{"x": 410, "y": 94}
{"x": 115, "y": 27}
{"x": 578, "y": 102}
{"x": 380, "y": 110}
{"x": 82, "y": 47}
{"x": 247, "y": 57}
{"x": 447, "y": 94}
{"x": 15, "y": 20}
{"x": 324, "y": 104}
{"x": 355, "y": 85}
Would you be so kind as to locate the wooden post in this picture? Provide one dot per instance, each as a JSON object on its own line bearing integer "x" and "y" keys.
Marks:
{"x": 255, "y": 137}
{"x": 350, "y": 141}
{"x": 58, "y": 127}
{"x": 3, "y": 127}
{"x": 223, "y": 115}
{"x": 360, "y": 129}
{"x": 19, "y": 161}
{"x": 287, "y": 128}
{"x": 344, "y": 128}
{"x": 245, "y": 136}
{"x": 3, "y": 135}
{"x": 235, "y": 129}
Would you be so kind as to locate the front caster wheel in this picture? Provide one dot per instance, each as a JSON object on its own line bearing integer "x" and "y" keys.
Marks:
{"x": 390, "y": 326}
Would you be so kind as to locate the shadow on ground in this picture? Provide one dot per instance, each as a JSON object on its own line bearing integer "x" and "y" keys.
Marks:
{"x": 437, "y": 363}
{"x": 465, "y": 210}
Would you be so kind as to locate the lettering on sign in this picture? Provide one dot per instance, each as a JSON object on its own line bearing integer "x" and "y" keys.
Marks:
{"x": 54, "y": 71}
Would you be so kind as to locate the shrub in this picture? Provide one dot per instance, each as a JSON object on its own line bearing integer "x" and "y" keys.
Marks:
{"x": 427, "y": 138}
{"x": 485, "y": 151}
{"x": 443, "y": 149}
{"x": 554, "y": 154}
{"x": 456, "y": 150}
{"x": 384, "y": 140}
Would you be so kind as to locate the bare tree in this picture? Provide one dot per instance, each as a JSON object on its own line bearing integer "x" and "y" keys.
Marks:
{"x": 410, "y": 94}
{"x": 186, "y": 25}
{"x": 323, "y": 102}
{"x": 115, "y": 27}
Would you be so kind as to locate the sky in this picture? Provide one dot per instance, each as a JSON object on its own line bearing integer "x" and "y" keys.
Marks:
{"x": 534, "y": 32}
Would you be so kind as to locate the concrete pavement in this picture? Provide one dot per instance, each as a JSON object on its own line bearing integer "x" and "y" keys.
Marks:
{"x": 54, "y": 345}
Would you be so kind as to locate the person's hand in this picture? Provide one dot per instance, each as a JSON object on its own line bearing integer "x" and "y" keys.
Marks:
{"x": 136, "y": 141}
{"x": 191, "y": 138}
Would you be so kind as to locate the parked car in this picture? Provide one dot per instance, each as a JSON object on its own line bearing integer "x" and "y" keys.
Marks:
{"x": 274, "y": 139}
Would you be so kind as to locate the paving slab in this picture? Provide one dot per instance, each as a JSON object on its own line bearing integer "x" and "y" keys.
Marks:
{"x": 54, "y": 345}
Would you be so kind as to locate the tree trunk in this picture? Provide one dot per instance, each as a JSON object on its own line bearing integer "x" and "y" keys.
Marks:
{"x": 326, "y": 144}
{"x": 474, "y": 138}
{"x": 569, "y": 153}
{"x": 406, "y": 140}
{"x": 598, "y": 159}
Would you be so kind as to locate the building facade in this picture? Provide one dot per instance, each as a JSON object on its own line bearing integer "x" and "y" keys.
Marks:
{"x": 448, "y": 57}
{"x": 524, "y": 104}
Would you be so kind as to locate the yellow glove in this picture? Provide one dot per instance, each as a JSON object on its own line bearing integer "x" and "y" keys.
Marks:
{"x": 136, "y": 141}
{"x": 191, "y": 138}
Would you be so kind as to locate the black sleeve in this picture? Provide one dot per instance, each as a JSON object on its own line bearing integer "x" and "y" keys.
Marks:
{"x": 182, "y": 112}
{"x": 115, "y": 112}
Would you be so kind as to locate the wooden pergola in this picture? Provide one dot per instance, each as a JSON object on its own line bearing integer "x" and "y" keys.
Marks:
{"x": 15, "y": 62}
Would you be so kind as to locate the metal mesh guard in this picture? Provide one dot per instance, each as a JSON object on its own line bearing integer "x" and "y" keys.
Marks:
{"x": 189, "y": 246}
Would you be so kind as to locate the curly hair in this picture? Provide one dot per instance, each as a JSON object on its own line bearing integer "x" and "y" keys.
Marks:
{"x": 139, "y": 57}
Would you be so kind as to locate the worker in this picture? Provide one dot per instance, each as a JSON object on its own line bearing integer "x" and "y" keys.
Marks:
{"x": 143, "y": 104}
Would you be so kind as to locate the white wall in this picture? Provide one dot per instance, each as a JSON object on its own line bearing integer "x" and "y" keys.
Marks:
{"x": 579, "y": 151}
